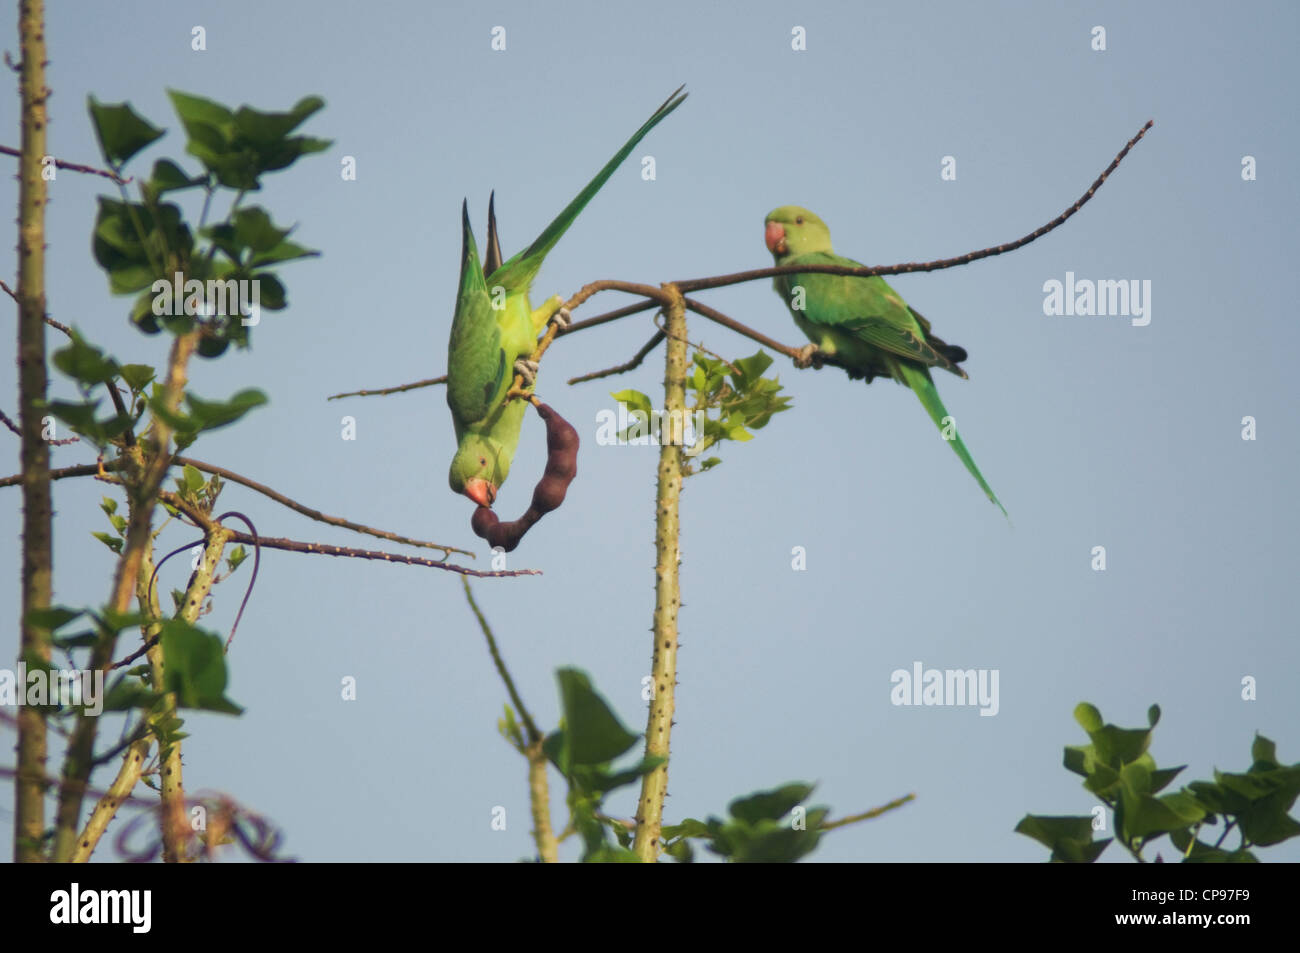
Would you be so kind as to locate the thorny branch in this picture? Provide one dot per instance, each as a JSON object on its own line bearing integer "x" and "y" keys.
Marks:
{"x": 656, "y": 297}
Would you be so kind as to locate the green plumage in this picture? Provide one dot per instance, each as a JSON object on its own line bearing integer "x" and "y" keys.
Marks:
{"x": 494, "y": 325}
{"x": 863, "y": 322}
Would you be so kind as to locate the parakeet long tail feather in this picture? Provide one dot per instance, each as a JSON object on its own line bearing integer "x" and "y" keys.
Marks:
{"x": 918, "y": 379}
{"x": 520, "y": 270}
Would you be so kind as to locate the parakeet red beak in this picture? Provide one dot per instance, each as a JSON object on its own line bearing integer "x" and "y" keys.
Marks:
{"x": 775, "y": 238}
{"x": 481, "y": 491}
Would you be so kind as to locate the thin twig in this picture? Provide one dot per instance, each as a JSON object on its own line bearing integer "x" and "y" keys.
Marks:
{"x": 390, "y": 390}
{"x": 539, "y": 796}
{"x": 699, "y": 284}
{"x": 316, "y": 515}
{"x": 713, "y": 314}
{"x": 701, "y": 348}
{"x": 611, "y": 316}
{"x": 80, "y": 470}
{"x": 4, "y": 419}
{"x": 640, "y": 356}
{"x": 867, "y": 815}
{"x": 325, "y": 549}
{"x": 208, "y": 525}
{"x": 533, "y": 734}
{"x": 91, "y": 469}
{"x": 77, "y": 167}
{"x": 553, "y": 330}
{"x": 128, "y": 435}
{"x": 48, "y": 320}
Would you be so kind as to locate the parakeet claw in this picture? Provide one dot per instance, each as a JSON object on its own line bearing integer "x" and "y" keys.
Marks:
{"x": 562, "y": 318}
{"x": 807, "y": 357}
{"x": 527, "y": 370}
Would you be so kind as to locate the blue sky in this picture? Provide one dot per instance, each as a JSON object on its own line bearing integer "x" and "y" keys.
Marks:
{"x": 1093, "y": 431}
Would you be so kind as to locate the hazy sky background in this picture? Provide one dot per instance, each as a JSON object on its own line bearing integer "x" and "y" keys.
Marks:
{"x": 1092, "y": 431}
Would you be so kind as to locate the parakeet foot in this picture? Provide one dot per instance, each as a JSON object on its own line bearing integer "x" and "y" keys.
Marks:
{"x": 807, "y": 357}
{"x": 562, "y": 318}
{"x": 527, "y": 370}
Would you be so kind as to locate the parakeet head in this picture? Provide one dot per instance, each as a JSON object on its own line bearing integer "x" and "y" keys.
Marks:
{"x": 478, "y": 469}
{"x": 792, "y": 230}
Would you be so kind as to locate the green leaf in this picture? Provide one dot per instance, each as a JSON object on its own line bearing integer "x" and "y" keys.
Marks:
{"x": 197, "y": 109}
{"x": 239, "y": 147}
{"x": 213, "y": 414}
{"x": 80, "y": 416}
{"x": 1161, "y": 778}
{"x": 508, "y": 726}
{"x": 634, "y": 399}
{"x": 268, "y": 129}
{"x": 82, "y": 640}
{"x": 84, "y": 362}
{"x": 750, "y": 368}
{"x": 1144, "y": 816}
{"x": 53, "y": 617}
{"x": 251, "y": 230}
{"x": 1203, "y": 853}
{"x": 770, "y": 805}
{"x": 771, "y": 842}
{"x": 609, "y": 854}
{"x": 598, "y": 780}
{"x": 1088, "y": 717}
{"x": 1111, "y": 745}
{"x": 687, "y": 828}
{"x": 271, "y": 294}
{"x": 137, "y": 376}
{"x": 285, "y": 251}
{"x": 169, "y": 177}
{"x": 129, "y": 692}
{"x": 680, "y": 851}
{"x": 112, "y": 542}
{"x": 196, "y": 667}
{"x": 190, "y": 481}
{"x": 593, "y": 733}
{"x": 133, "y": 243}
{"x": 1263, "y": 752}
{"x": 120, "y": 131}
{"x": 1069, "y": 838}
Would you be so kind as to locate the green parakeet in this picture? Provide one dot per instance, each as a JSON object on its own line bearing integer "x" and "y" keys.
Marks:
{"x": 863, "y": 322}
{"x": 494, "y": 331}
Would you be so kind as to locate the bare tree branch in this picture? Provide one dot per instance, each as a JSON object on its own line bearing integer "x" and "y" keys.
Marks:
{"x": 92, "y": 469}
{"x": 699, "y": 284}
{"x": 640, "y": 356}
{"x": 76, "y": 167}
{"x": 391, "y": 390}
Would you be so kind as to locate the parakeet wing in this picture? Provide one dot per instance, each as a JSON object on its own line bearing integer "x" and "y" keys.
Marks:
{"x": 868, "y": 309}
{"x": 476, "y": 361}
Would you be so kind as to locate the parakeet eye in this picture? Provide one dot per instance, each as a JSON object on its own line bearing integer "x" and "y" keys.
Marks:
{"x": 482, "y": 461}
{"x": 798, "y": 220}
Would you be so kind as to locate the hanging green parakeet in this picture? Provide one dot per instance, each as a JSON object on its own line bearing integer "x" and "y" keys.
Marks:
{"x": 494, "y": 331}
{"x": 861, "y": 321}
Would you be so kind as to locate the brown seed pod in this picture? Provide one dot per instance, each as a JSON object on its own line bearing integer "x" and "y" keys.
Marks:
{"x": 561, "y": 468}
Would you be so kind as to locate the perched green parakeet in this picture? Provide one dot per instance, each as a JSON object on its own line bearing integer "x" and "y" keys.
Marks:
{"x": 495, "y": 329}
{"x": 861, "y": 321}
